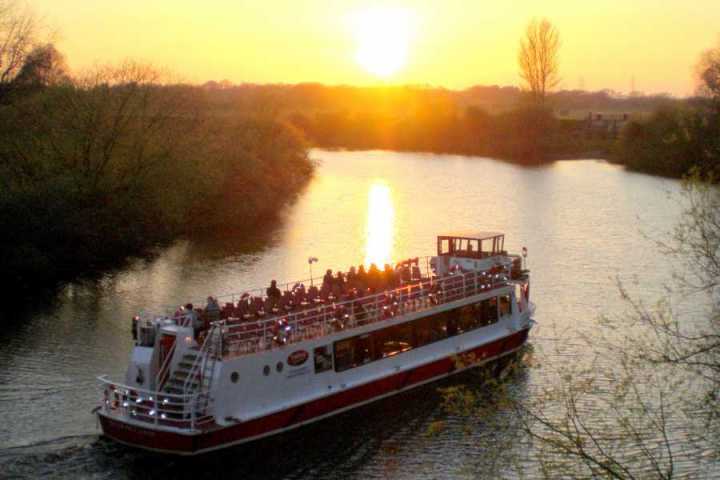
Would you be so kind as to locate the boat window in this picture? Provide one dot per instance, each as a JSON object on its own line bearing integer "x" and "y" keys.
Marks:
{"x": 393, "y": 340}
{"x": 450, "y": 322}
{"x": 323, "y": 359}
{"x": 359, "y": 350}
{"x": 429, "y": 330}
{"x": 468, "y": 317}
{"x": 363, "y": 350}
{"x": 488, "y": 311}
{"x": 444, "y": 246}
{"x": 344, "y": 354}
{"x": 504, "y": 305}
{"x": 279, "y": 367}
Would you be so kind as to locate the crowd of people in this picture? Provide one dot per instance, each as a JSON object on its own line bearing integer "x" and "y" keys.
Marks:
{"x": 335, "y": 288}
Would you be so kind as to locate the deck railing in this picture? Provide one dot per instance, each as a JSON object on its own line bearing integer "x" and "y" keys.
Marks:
{"x": 242, "y": 336}
{"x": 159, "y": 408}
{"x": 423, "y": 263}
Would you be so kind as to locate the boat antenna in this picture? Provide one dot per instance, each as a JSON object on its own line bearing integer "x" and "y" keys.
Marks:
{"x": 311, "y": 260}
{"x": 524, "y": 254}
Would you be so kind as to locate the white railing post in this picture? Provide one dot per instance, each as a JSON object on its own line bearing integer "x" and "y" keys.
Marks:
{"x": 193, "y": 405}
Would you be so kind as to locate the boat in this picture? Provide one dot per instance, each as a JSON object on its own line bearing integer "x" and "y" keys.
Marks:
{"x": 200, "y": 380}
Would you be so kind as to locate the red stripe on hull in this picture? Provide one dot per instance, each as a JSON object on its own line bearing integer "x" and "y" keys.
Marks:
{"x": 224, "y": 436}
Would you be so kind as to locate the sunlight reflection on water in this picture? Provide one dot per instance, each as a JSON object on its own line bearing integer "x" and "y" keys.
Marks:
{"x": 380, "y": 225}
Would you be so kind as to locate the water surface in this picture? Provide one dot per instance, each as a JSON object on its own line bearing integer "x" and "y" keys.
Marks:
{"x": 584, "y": 223}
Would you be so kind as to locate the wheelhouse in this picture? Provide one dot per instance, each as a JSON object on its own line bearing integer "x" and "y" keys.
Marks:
{"x": 481, "y": 245}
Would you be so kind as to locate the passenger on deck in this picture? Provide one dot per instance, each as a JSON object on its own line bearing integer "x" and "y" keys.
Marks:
{"x": 338, "y": 283}
{"x": 416, "y": 273}
{"x": 389, "y": 277}
{"x": 405, "y": 275}
{"x": 362, "y": 278}
{"x": 351, "y": 278}
{"x": 374, "y": 277}
{"x": 273, "y": 292}
{"x": 212, "y": 310}
{"x": 193, "y": 319}
{"x": 327, "y": 281}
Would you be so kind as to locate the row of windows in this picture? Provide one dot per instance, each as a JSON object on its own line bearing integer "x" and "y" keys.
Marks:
{"x": 362, "y": 349}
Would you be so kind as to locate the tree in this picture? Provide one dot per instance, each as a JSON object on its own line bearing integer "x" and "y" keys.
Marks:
{"x": 538, "y": 58}
{"x": 44, "y": 66}
{"x": 18, "y": 30}
{"x": 708, "y": 71}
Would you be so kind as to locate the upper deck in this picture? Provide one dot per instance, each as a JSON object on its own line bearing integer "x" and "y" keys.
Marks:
{"x": 256, "y": 323}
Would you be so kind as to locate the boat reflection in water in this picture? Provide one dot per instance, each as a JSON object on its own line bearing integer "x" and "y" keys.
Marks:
{"x": 379, "y": 230}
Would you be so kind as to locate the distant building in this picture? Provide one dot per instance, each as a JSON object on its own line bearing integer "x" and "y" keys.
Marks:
{"x": 606, "y": 123}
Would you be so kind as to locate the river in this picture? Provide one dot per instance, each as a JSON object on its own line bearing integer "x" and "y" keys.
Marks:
{"x": 584, "y": 223}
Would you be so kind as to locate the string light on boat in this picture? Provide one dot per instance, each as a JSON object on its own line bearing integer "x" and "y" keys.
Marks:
{"x": 282, "y": 330}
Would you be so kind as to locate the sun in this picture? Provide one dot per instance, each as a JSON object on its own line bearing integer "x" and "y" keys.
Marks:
{"x": 383, "y": 38}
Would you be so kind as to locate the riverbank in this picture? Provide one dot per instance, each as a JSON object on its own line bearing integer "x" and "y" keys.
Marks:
{"x": 92, "y": 175}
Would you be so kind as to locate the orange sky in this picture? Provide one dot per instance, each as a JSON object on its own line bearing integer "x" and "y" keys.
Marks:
{"x": 451, "y": 43}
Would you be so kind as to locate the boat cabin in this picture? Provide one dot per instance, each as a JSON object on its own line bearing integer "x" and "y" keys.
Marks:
{"x": 480, "y": 245}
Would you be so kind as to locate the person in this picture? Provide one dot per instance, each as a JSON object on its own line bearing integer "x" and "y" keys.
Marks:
{"x": 212, "y": 310}
{"x": 193, "y": 319}
{"x": 374, "y": 277}
{"x": 327, "y": 281}
{"x": 273, "y": 292}
{"x": 388, "y": 277}
{"x": 362, "y": 277}
{"x": 339, "y": 283}
{"x": 351, "y": 278}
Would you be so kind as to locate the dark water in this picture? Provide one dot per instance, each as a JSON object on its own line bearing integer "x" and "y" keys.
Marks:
{"x": 583, "y": 222}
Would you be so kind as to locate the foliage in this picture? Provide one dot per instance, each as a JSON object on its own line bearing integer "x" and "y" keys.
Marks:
{"x": 43, "y": 66}
{"x": 18, "y": 29}
{"x": 671, "y": 141}
{"x": 674, "y": 140}
{"x": 115, "y": 162}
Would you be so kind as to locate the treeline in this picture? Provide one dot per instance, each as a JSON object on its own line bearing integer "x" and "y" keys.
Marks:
{"x": 98, "y": 167}
{"x": 527, "y": 134}
{"x": 673, "y": 141}
{"x": 490, "y": 121}
{"x": 665, "y": 135}
{"x": 312, "y": 97}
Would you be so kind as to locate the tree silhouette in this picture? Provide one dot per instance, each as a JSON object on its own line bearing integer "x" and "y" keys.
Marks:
{"x": 538, "y": 58}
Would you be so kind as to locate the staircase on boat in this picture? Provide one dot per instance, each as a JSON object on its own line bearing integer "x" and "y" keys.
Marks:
{"x": 192, "y": 379}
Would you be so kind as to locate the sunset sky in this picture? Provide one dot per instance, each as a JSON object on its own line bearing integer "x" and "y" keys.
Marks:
{"x": 448, "y": 43}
